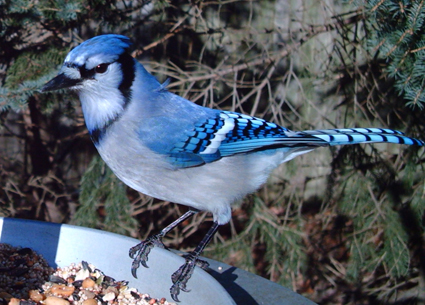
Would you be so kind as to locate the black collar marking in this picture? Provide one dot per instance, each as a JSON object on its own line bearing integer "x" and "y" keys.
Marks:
{"x": 129, "y": 73}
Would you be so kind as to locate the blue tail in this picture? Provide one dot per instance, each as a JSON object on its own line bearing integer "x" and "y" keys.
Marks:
{"x": 363, "y": 135}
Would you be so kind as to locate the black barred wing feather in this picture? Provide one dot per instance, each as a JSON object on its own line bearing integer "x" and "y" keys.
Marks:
{"x": 363, "y": 135}
{"x": 232, "y": 133}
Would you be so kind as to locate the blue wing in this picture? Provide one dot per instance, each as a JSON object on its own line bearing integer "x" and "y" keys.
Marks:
{"x": 230, "y": 133}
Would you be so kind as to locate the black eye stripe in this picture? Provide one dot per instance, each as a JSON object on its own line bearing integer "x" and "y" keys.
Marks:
{"x": 89, "y": 74}
{"x": 127, "y": 67}
{"x": 86, "y": 74}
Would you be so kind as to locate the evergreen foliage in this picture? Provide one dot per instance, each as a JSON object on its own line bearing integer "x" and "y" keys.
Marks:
{"x": 100, "y": 185}
{"x": 342, "y": 225}
{"x": 397, "y": 32}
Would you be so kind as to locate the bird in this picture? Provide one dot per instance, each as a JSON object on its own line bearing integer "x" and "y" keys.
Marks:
{"x": 172, "y": 149}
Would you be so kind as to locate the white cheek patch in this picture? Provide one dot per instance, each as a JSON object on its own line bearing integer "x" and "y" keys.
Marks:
{"x": 111, "y": 78}
{"x": 219, "y": 136}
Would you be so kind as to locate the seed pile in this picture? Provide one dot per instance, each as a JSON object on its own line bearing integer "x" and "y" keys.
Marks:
{"x": 21, "y": 270}
{"x": 77, "y": 284}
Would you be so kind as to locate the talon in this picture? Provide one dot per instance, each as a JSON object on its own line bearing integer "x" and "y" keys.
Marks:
{"x": 134, "y": 266}
{"x": 182, "y": 276}
{"x": 134, "y": 250}
{"x": 140, "y": 252}
{"x": 174, "y": 291}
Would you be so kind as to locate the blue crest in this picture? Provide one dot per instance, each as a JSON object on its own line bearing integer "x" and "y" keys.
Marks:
{"x": 108, "y": 47}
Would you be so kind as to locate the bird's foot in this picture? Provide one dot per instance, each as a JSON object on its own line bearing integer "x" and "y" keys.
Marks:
{"x": 199, "y": 262}
{"x": 184, "y": 273}
{"x": 140, "y": 252}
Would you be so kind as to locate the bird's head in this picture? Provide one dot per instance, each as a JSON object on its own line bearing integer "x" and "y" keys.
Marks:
{"x": 96, "y": 60}
{"x": 102, "y": 72}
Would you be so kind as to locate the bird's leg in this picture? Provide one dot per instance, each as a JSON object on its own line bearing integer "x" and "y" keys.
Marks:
{"x": 183, "y": 274}
{"x": 140, "y": 251}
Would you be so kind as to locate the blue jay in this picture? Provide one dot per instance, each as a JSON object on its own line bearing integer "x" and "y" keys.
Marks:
{"x": 165, "y": 146}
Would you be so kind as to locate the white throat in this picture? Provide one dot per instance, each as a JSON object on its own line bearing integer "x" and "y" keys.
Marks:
{"x": 100, "y": 107}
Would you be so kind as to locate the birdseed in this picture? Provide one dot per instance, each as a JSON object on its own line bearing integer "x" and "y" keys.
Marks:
{"x": 27, "y": 279}
{"x": 21, "y": 270}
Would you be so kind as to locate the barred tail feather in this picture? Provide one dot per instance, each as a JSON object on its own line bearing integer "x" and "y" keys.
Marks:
{"x": 363, "y": 135}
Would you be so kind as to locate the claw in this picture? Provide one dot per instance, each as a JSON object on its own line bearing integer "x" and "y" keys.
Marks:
{"x": 134, "y": 270}
{"x": 184, "y": 273}
{"x": 174, "y": 291}
{"x": 182, "y": 276}
{"x": 140, "y": 252}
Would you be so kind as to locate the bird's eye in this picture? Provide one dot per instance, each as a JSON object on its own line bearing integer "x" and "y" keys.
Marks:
{"x": 101, "y": 68}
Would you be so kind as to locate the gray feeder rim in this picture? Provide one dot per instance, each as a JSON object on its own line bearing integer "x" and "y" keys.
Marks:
{"x": 62, "y": 244}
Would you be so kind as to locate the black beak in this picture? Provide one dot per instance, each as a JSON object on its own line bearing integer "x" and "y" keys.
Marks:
{"x": 60, "y": 82}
